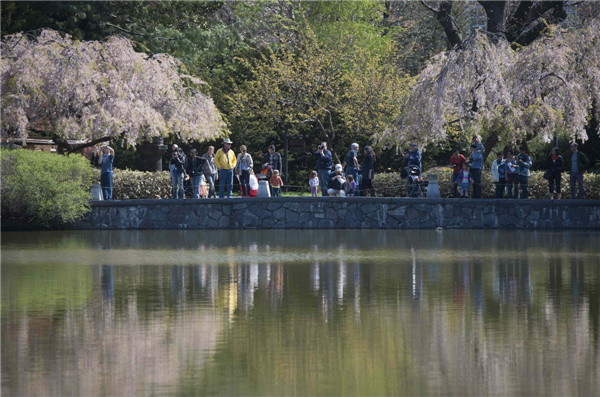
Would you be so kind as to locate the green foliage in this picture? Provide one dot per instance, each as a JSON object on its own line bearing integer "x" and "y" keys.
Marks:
{"x": 130, "y": 185}
{"x": 391, "y": 185}
{"x": 45, "y": 188}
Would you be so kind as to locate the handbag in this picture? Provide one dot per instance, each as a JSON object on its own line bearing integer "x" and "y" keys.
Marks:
{"x": 548, "y": 174}
{"x": 403, "y": 174}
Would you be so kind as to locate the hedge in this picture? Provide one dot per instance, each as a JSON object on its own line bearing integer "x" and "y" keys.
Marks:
{"x": 129, "y": 185}
{"x": 43, "y": 188}
{"x": 391, "y": 185}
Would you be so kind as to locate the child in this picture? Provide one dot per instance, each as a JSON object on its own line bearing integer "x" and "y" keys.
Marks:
{"x": 350, "y": 185}
{"x": 464, "y": 181}
{"x": 314, "y": 183}
{"x": 276, "y": 183}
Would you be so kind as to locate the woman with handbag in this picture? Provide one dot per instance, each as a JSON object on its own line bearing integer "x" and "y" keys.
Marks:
{"x": 243, "y": 168}
{"x": 554, "y": 172}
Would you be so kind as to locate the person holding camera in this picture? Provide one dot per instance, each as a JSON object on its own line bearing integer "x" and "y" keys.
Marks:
{"x": 179, "y": 163}
{"x": 106, "y": 174}
{"x": 351, "y": 163}
{"x": 324, "y": 164}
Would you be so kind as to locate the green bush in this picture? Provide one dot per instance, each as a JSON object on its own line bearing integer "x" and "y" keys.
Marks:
{"x": 129, "y": 185}
{"x": 391, "y": 185}
{"x": 44, "y": 188}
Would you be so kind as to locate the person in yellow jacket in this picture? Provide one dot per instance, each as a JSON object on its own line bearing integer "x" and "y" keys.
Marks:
{"x": 225, "y": 163}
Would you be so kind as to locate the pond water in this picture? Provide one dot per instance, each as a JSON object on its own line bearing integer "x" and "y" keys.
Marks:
{"x": 301, "y": 313}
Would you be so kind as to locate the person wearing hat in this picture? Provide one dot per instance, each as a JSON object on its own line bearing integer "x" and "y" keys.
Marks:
{"x": 576, "y": 164}
{"x": 413, "y": 157}
{"x": 336, "y": 182}
{"x": 476, "y": 163}
{"x": 225, "y": 163}
{"x": 351, "y": 163}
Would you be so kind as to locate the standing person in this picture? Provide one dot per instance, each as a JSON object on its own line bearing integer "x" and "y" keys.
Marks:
{"x": 243, "y": 169}
{"x": 576, "y": 165}
{"x": 106, "y": 174}
{"x": 174, "y": 148}
{"x": 351, "y": 163}
{"x": 476, "y": 166}
{"x": 194, "y": 170}
{"x": 456, "y": 162}
{"x": 554, "y": 172}
{"x": 464, "y": 181}
{"x": 210, "y": 170}
{"x": 524, "y": 162}
{"x": 336, "y": 182}
{"x": 368, "y": 172}
{"x": 478, "y": 145}
{"x": 324, "y": 164}
{"x": 272, "y": 159}
{"x": 225, "y": 163}
{"x": 413, "y": 157}
{"x": 313, "y": 182}
{"x": 512, "y": 175}
{"x": 499, "y": 174}
{"x": 179, "y": 163}
{"x": 276, "y": 183}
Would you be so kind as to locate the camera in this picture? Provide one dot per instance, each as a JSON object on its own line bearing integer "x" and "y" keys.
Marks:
{"x": 320, "y": 147}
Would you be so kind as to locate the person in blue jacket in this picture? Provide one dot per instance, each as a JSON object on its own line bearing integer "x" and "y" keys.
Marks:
{"x": 324, "y": 165}
{"x": 413, "y": 157}
{"x": 106, "y": 174}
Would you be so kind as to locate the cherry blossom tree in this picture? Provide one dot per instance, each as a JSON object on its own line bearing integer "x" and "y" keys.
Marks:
{"x": 92, "y": 91}
{"x": 506, "y": 85}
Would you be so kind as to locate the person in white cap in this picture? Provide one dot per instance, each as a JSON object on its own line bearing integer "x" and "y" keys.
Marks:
{"x": 336, "y": 182}
{"x": 225, "y": 162}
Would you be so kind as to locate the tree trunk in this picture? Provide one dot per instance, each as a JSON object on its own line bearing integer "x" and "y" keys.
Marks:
{"x": 495, "y": 15}
{"x": 444, "y": 17}
{"x": 489, "y": 144}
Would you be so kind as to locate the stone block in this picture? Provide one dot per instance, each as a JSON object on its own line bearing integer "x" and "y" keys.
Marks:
{"x": 412, "y": 213}
{"x": 214, "y": 214}
{"x": 227, "y": 210}
{"x": 291, "y": 216}
{"x": 279, "y": 214}
{"x": 274, "y": 206}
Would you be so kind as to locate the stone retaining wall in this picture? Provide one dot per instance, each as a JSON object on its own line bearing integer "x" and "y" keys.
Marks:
{"x": 342, "y": 213}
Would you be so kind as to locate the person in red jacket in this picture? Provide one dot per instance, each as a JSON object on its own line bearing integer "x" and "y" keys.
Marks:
{"x": 456, "y": 162}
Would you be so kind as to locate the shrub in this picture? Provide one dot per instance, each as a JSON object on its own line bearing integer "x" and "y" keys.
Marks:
{"x": 391, "y": 185}
{"x": 129, "y": 185}
{"x": 44, "y": 188}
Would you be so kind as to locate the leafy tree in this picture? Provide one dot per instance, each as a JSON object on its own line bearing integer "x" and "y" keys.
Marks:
{"x": 337, "y": 87}
{"x": 511, "y": 82}
{"x": 94, "y": 91}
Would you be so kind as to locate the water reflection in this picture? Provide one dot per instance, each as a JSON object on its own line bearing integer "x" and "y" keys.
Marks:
{"x": 428, "y": 319}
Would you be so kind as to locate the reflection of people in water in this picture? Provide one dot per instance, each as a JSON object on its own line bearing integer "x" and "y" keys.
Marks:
{"x": 107, "y": 282}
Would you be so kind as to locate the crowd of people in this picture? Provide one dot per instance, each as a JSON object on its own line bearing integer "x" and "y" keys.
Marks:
{"x": 510, "y": 171}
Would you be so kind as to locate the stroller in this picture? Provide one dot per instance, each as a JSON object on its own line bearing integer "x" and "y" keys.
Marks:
{"x": 415, "y": 185}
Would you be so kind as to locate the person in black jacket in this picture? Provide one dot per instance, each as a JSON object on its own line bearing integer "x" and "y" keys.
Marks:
{"x": 368, "y": 172}
{"x": 272, "y": 160}
{"x": 555, "y": 163}
{"x": 179, "y": 161}
{"x": 194, "y": 171}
